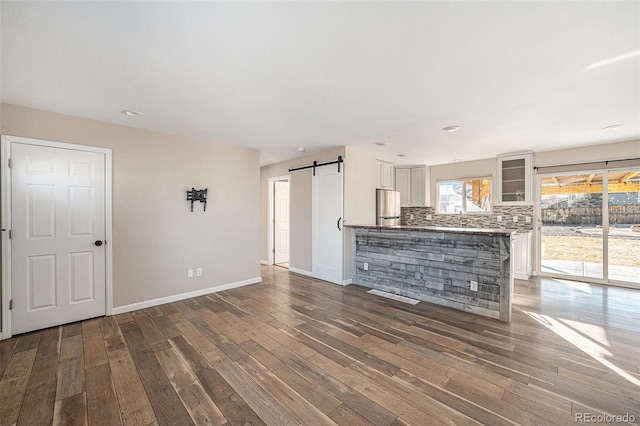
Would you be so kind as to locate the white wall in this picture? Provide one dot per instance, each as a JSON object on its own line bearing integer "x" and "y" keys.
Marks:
{"x": 610, "y": 151}
{"x": 361, "y": 174}
{"x": 155, "y": 236}
{"x": 360, "y": 177}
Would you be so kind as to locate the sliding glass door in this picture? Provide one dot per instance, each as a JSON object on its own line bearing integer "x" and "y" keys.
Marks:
{"x": 571, "y": 234}
{"x": 624, "y": 226}
{"x": 589, "y": 225}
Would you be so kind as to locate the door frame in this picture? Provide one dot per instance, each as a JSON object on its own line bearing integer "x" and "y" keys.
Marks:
{"x": 5, "y": 147}
{"x": 271, "y": 217}
{"x": 605, "y": 280}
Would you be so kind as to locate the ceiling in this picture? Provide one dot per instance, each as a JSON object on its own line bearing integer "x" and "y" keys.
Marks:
{"x": 279, "y": 75}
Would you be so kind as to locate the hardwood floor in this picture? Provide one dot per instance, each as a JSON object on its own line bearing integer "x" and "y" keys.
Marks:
{"x": 294, "y": 350}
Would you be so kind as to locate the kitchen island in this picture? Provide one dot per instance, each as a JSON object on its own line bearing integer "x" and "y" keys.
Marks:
{"x": 437, "y": 265}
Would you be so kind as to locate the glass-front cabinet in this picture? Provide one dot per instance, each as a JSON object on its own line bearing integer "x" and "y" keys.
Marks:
{"x": 514, "y": 179}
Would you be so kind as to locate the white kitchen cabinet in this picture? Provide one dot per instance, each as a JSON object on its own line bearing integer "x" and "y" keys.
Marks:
{"x": 403, "y": 185}
{"x": 514, "y": 179}
{"x": 419, "y": 186}
{"x": 414, "y": 185}
{"x": 522, "y": 250}
{"x": 385, "y": 175}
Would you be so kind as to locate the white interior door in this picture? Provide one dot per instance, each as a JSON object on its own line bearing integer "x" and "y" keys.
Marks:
{"x": 58, "y": 218}
{"x": 281, "y": 221}
{"x": 327, "y": 224}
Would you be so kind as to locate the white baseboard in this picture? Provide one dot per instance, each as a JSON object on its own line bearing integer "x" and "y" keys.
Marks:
{"x": 302, "y": 272}
{"x": 264, "y": 262}
{"x": 182, "y": 296}
{"x": 312, "y": 275}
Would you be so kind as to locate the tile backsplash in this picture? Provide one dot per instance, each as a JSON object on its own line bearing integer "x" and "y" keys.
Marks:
{"x": 471, "y": 220}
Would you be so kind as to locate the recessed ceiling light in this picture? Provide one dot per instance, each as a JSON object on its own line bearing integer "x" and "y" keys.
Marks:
{"x": 301, "y": 149}
{"x": 451, "y": 128}
{"x": 456, "y": 160}
{"x": 402, "y": 155}
{"x": 613, "y": 127}
{"x": 131, "y": 113}
{"x": 382, "y": 143}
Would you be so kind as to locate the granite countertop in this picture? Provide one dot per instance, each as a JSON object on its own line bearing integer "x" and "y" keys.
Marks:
{"x": 476, "y": 231}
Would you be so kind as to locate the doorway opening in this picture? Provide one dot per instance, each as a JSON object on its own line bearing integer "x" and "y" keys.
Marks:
{"x": 279, "y": 221}
{"x": 589, "y": 225}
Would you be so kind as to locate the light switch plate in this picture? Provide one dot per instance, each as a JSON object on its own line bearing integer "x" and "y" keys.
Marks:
{"x": 527, "y": 219}
{"x": 199, "y": 272}
{"x": 410, "y": 216}
{"x": 515, "y": 219}
{"x": 366, "y": 266}
{"x": 498, "y": 218}
{"x": 189, "y": 273}
{"x": 428, "y": 217}
{"x": 474, "y": 286}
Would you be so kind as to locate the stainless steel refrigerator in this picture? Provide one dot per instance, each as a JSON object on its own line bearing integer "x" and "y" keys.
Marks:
{"x": 387, "y": 207}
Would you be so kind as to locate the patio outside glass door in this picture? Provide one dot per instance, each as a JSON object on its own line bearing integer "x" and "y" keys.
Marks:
{"x": 571, "y": 214}
{"x": 624, "y": 226}
{"x": 590, "y": 225}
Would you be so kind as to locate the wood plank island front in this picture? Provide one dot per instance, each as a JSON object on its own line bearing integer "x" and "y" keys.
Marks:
{"x": 437, "y": 265}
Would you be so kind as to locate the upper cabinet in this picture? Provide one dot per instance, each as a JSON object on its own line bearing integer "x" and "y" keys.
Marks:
{"x": 385, "y": 175}
{"x": 413, "y": 183}
{"x": 514, "y": 179}
{"x": 403, "y": 185}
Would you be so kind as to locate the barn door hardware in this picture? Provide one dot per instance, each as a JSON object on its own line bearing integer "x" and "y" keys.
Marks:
{"x": 316, "y": 164}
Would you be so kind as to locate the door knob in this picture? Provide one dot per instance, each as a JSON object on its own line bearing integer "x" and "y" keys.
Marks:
{"x": 98, "y": 243}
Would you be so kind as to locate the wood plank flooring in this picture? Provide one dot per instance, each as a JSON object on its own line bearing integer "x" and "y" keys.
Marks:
{"x": 298, "y": 351}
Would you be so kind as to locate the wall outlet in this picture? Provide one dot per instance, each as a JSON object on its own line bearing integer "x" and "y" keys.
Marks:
{"x": 527, "y": 219}
{"x": 189, "y": 273}
{"x": 498, "y": 218}
{"x": 474, "y": 285}
{"x": 410, "y": 216}
{"x": 428, "y": 217}
{"x": 366, "y": 266}
{"x": 515, "y": 219}
{"x": 199, "y": 272}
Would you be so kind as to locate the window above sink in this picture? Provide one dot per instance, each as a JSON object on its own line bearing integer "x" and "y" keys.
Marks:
{"x": 455, "y": 196}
